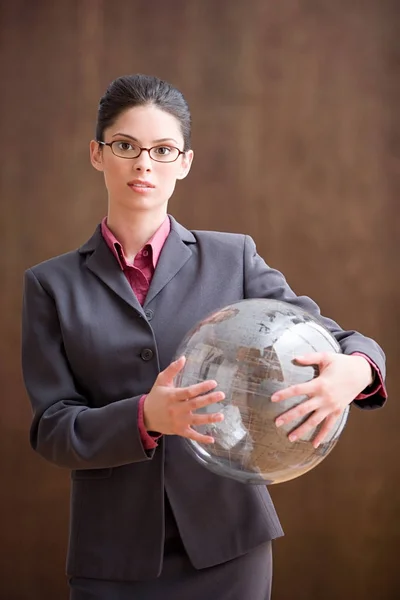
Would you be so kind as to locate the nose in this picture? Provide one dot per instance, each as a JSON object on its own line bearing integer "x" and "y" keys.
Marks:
{"x": 143, "y": 162}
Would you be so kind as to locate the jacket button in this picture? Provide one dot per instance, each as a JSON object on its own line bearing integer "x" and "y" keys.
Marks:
{"x": 147, "y": 354}
{"x": 149, "y": 313}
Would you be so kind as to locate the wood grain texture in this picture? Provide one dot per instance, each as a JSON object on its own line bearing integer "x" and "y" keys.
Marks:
{"x": 297, "y": 140}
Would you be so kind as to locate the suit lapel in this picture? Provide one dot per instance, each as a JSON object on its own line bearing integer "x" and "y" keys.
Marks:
{"x": 174, "y": 255}
{"x": 103, "y": 264}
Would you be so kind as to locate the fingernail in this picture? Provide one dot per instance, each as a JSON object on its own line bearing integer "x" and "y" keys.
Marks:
{"x": 292, "y": 437}
{"x": 279, "y": 422}
{"x": 275, "y": 398}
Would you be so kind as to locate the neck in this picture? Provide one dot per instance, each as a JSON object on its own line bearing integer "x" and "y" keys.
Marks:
{"x": 134, "y": 230}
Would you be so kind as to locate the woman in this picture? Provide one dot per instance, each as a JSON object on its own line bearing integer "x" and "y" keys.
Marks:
{"x": 100, "y": 328}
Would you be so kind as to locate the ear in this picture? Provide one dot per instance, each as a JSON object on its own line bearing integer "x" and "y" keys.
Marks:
{"x": 96, "y": 155}
{"x": 187, "y": 160}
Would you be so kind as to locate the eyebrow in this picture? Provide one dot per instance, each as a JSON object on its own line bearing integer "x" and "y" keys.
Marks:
{"x": 136, "y": 140}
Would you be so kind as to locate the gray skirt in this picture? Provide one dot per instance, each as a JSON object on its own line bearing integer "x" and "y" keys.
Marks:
{"x": 248, "y": 576}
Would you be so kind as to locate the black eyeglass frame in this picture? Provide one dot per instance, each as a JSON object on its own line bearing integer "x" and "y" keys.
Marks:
{"x": 110, "y": 144}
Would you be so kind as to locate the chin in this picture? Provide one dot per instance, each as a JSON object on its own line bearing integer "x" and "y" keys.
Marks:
{"x": 141, "y": 203}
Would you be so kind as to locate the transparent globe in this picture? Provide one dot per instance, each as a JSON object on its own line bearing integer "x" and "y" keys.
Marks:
{"x": 249, "y": 348}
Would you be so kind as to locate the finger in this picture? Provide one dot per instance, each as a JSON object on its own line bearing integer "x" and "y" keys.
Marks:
{"x": 201, "y": 401}
{"x": 192, "y": 391}
{"x": 301, "y": 389}
{"x": 206, "y": 419}
{"x": 313, "y": 358}
{"x": 167, "y": 376}
{"x": 191, "y": 434}
{"x": 301, "y": 410}
{"x": 324, "y": 431}
{"x": 305, "y": 428}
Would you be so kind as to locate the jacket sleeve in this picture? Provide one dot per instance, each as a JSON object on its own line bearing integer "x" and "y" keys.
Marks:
{"x": 260, "y": 281}
{"x": 65, "y": 429}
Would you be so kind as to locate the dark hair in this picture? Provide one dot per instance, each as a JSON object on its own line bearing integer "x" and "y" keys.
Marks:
{"x": 141, "y": 90}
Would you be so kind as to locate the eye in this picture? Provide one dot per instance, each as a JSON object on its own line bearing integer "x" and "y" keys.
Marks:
{"x": 163, "y": 150}
{"x": 124, "y": 146}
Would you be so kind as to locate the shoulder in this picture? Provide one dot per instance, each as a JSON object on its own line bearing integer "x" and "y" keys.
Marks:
{"x": 221, "y": 244}
{"x": 220, "y": 238}
{"x": 210, "y": 238}
{"x": 52, "y": 276}
{"x": 56, "y": 264}
{"x": 67, "y": 263}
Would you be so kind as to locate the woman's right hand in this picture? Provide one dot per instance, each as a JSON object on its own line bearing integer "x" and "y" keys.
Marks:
{"x": 171, "y": 410}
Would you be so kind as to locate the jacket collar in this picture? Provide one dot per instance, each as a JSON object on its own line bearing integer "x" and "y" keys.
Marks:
{"x": 175, "y": 253}
{"x": 97, "y": 239}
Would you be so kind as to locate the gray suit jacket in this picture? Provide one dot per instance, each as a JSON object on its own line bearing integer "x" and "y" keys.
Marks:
{"x": 89, "y": 353}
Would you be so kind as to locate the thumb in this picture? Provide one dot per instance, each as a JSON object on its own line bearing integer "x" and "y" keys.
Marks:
{"x": 167, "y": 376}
{"x": 314, "y": 358}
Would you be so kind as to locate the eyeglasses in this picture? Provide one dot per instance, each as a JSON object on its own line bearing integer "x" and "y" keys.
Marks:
{"x": 128, "y": 150}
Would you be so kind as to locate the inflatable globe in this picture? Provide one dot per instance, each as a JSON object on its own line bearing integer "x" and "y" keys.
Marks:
{"x": 249, "y": 348}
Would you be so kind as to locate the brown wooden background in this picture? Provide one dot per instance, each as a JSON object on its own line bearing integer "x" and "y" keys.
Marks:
{"x": 297, "y": 140}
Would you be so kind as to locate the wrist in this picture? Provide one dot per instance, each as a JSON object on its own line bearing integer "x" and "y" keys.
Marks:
{"x": 367, "y": 369}
{"x": 146, "y": 417}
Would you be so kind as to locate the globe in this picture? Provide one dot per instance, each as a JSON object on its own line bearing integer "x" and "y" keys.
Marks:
{"x": 249, "y": 348}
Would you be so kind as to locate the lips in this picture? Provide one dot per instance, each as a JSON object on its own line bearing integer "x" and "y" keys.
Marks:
{"x": 140, "y": 184}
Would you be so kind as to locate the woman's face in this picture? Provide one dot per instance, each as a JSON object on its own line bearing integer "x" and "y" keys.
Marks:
{"x": 141, "y": 184}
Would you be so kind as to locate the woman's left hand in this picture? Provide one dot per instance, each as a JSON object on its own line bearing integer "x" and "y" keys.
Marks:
{"x": 341, "y": 379}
